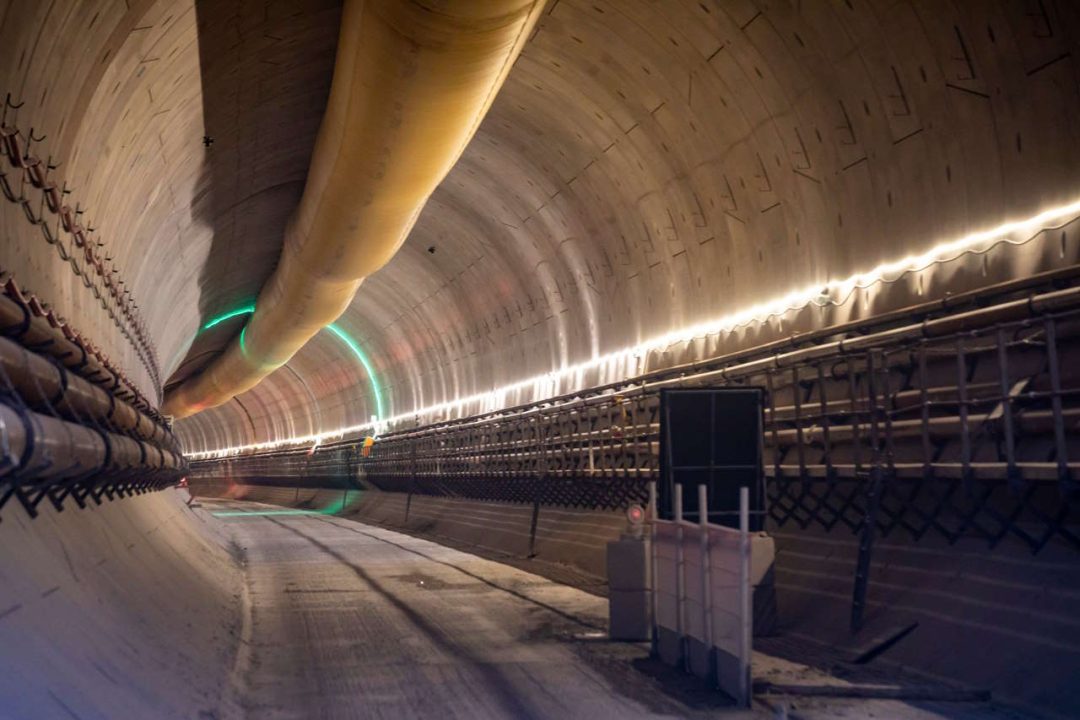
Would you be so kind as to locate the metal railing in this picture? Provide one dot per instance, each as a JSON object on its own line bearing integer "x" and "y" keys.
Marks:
{"x": 966, "y": 426}
{"x": 962, "y": 426}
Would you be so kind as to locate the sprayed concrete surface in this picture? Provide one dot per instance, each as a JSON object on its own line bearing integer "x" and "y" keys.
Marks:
{"x": 348, "y": 620}
{"x": 148, "y": 608}
{"x": 126, "y": 610}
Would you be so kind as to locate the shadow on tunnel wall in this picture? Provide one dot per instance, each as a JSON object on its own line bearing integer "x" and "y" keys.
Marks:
{"x": 266, "y": 68}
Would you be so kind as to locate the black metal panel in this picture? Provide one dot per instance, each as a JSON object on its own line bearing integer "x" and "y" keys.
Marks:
{"x": 712, "y": 437}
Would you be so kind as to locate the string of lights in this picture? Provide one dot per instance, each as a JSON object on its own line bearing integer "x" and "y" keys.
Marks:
{"x": 629, "y": 362}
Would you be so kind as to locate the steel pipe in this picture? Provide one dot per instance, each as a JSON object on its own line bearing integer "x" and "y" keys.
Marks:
{"x": 412, "y": 81}
{"x": 36, "y": 448}
{"x": 47, "y": 386}
{"x": 38, "y": 335}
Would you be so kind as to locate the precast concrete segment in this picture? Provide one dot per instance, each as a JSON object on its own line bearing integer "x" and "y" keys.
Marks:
{"x": 411, "y": 84}
{"x": 130, "y": 609}
{"x": 647, "y": 166}
{"x": 653, "y": 166}
{"x": 354, "y": 621}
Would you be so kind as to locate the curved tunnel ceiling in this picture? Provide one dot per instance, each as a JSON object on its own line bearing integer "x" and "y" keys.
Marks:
{"x": 646, "y": 167}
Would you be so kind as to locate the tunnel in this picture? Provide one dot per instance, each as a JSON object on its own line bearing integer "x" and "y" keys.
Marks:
{"x": 340, "y": 342}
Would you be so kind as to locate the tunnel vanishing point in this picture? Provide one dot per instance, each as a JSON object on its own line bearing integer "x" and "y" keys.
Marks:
{"x": 349, "y": 347}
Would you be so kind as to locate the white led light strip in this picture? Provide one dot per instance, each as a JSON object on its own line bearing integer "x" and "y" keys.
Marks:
{"x": 628, "y": 362}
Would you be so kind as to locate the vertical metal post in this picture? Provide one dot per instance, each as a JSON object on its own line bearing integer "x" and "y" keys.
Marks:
{"x": 1060, "y": 449}
{"x": 866, "y": 549}
{"x": 637, "y": 439}
{"x": 800, "y": 448}
{"x": 541, "y": 435}
{"x": 654, "y": 516}
{"x": 825, "y": 440}
{"x": 680, "y": 578}
{"x": 624, "y": 450}
{"x": 962, "y": 400}
{"x": 775, "y": 425}
{"x": 872, "y": 407}
{"x": 746, "y": 617}
{"x": 856, "y": 437}
{"x": 533, "y": 523}
{"x": 706, "y": 580}
{"x": 924, "y": 401}
{"x": 1011, "y": 471}
{"x": 412, "y": 478}
{"x": 873, "y": 499}
{"x": 886, "y": 415}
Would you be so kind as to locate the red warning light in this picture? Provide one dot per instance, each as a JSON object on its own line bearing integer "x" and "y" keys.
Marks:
{"x": 635, "y": 514}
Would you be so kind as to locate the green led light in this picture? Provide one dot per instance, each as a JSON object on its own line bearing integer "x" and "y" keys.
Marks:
{"x": 338, "y": 505}
{"x": 332, "y": 509}
{"x": 228, "y": 316}
{"x": 263, "y": 513}
{"x": 342, "y": 335}
{"x": 345, "y": 338}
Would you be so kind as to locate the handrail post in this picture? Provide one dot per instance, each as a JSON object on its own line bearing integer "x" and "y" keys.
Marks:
{"x": 706, "y": 580}
{"x": 654, "y": 516}
{"x": 680, "y": 577}
{"x": 745, "y": 608}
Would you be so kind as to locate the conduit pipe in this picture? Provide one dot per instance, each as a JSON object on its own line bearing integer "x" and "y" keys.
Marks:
{"x": 412, "y": 81}
{"x": 45, "y": 385}
{"x": 66, "y": 347}
{"x": 36, "y": 448}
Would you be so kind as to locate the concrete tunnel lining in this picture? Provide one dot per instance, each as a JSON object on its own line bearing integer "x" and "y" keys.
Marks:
{"x": 138, "y": 591}
{"x": 645, "y": 131}
{"x": 593, "y": 187}
{"x": 646, "y": 168}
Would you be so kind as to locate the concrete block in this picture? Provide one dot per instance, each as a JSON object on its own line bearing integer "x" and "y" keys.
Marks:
{"x": 762, "y": 578}
{"x": 628, "y": 564}
{"x": 628, "y": 612}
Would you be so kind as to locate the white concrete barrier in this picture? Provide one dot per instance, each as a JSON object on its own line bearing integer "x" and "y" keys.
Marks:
{"x": 703, "y": 582}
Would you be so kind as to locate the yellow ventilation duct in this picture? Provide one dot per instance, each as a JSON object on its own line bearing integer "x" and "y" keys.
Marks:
{"x": 412, "y": 81}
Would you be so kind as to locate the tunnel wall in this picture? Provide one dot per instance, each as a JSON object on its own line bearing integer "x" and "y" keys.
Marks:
{"x": 178, "y": 132}
{"x": 130, "y": 609}
{"x": 649, "y": 166}
{"x": 996, "y": 619}
{"x": 570, "y": 537}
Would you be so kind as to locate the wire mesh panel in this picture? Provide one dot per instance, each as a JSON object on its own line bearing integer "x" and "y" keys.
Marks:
{"x": 959, "y": 429}
{"x": 962, "y": 427}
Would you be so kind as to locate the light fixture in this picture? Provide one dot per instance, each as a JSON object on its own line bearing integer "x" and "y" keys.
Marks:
{"x": 333, "y": 328}
{"x": 247, "y": 310}
{"x": 630, "y": 361}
